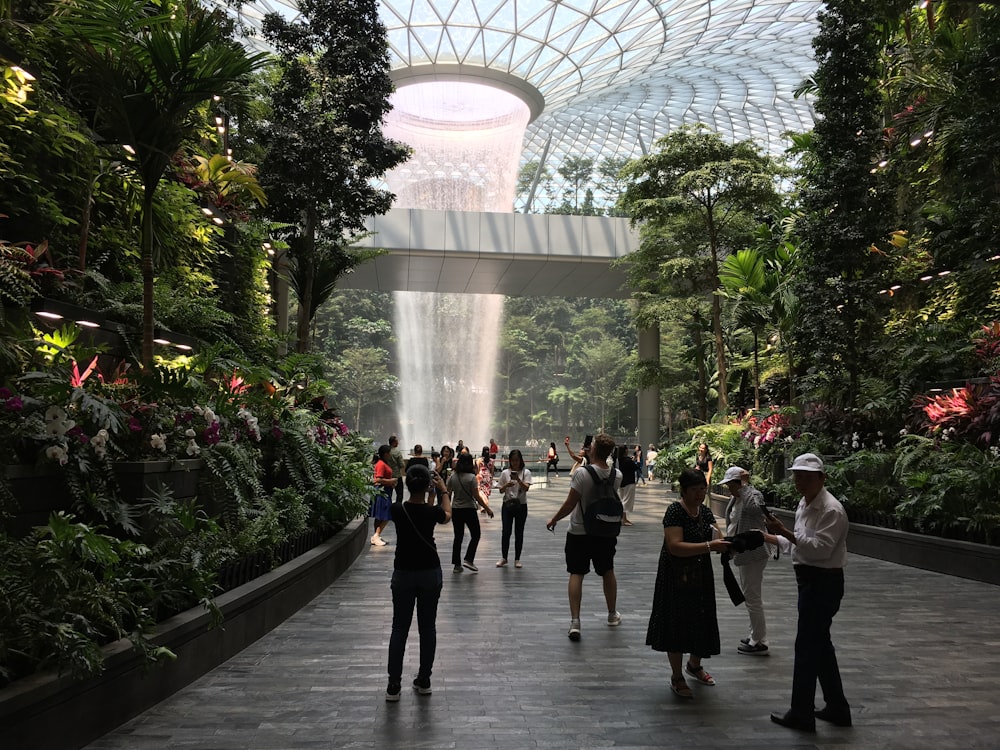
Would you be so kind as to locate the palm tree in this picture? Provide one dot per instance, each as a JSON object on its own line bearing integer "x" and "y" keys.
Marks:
{"x": 758, "y": 280}
{"x": 138, "y": 75}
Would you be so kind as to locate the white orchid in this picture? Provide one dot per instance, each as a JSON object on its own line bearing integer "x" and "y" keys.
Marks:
{"x": 57, "y": 453}
{"x": 55, "y": 414}
{"x": 190, "y": 433}
{"x": 192, "y": 448}
{"x": 158, "y": 442}
{"x": 252, "y": 423}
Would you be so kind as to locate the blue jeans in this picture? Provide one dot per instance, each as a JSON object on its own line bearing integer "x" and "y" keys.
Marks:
{"x": 820, "y": 592}
{"x": 409, "y": 587}
{"x": 512, "y": 520}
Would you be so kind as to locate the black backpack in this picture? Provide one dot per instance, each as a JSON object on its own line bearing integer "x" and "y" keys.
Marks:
{"x": 602, "y": 516}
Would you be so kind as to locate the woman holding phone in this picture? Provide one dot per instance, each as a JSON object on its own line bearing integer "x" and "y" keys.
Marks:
{"x": 515, "y": 481}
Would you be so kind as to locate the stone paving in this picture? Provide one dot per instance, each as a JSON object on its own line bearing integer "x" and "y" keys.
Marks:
{"x": 919, "y": 653}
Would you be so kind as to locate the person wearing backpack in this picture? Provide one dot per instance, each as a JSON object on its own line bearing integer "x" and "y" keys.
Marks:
{"x": 592, "y": 506}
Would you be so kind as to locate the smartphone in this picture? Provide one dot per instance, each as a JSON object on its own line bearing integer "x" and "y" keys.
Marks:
{"x": 764, "y": 509}
{"x": 587, "y": 441}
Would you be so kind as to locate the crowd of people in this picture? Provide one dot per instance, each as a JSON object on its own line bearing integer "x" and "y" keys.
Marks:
{"x": 455, "y": 486}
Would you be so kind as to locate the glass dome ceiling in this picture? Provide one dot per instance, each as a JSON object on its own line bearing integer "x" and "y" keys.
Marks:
{"x": 607, "y": 77}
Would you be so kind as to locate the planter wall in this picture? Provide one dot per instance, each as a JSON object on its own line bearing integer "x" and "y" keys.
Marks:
{"x": 41, "y": 491}
{"x": 978, "y": 562}
{"x": 138, "y": 478}
{"x": 46, "y": 712}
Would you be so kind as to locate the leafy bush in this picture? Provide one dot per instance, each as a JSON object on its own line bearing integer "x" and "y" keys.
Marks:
{"x": 68, "y": 589}
{"x": 949, "y": 486}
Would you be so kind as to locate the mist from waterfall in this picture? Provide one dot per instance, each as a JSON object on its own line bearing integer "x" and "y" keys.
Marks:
{"x": 467, "y": 141}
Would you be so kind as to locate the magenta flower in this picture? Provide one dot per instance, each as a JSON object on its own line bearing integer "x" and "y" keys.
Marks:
{"x": 211, "y": 434}
{"x": 134, "y": 424}
{"x": 14, "y": 403}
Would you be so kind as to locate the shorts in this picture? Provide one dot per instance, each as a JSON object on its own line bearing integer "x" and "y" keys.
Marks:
{"x": 581, "y": 549}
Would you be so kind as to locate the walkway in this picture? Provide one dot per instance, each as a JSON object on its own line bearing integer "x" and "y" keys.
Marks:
{"x": 919, "y": 652}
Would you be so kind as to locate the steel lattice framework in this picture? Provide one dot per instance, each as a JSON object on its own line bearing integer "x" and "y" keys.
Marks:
{"x": 607, "y": 77}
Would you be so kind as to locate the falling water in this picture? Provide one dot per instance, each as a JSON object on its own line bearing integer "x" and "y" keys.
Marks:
{"x": 467, "y": 140}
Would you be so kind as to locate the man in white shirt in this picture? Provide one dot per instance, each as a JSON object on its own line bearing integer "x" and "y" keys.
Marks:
{"x": 581, "y": 547}
{"x": 818, "y": 546}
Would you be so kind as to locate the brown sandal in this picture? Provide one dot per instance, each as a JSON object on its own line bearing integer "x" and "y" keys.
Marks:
{"x": 680, "y": 688}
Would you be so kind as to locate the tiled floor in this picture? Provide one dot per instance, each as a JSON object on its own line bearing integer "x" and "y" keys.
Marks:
{"x": 919, "y": 653}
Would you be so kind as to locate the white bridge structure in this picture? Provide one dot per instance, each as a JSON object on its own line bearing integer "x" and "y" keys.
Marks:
{"x": 518, "y": 255}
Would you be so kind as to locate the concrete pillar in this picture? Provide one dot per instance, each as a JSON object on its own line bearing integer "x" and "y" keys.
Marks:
{"x": 649, "y": 398}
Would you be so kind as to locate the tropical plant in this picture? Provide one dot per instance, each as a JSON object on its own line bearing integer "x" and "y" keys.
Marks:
{"x": 843, "y": 201}
{"x": 68, "y": 590}
{"x": 695, "y": 198}
{"x": 758, "y": 280}
{"x": 948, "y": 486}
{"x": 324, "y": 145}
{"x": 140, "y": 75}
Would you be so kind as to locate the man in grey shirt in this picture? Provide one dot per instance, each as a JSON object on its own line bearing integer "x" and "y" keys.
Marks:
{"x": 396, "y": 464}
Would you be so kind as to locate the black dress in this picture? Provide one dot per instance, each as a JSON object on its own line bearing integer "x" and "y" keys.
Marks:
{"x": 683, "y": 618}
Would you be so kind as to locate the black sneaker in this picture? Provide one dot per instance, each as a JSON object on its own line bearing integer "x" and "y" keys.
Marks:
{"x": 422, "y": 685}
{"x": 392, "y": 692}
{"x": 745, "y": 641}
{"x": 758, "y": 649}
{"x": 470, "y": 566}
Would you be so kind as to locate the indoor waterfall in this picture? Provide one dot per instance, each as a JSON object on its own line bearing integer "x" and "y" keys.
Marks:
{"x": 467, "y": 140}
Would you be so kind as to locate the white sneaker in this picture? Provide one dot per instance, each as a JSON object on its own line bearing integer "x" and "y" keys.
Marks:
{"x": 614, "y": 619}
{"x": 574, "y": 630}
{"x": 378, "y": 541}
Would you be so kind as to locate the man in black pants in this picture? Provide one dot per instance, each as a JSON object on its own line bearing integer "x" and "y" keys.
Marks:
{"x": 818, "y": 545}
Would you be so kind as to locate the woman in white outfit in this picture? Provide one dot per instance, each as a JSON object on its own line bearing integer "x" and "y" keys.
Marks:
{"x": 745, "y": 513}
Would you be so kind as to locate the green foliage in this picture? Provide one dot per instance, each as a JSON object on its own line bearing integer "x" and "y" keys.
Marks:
{"x": 67, "y": 590}
{"x": 323, "y": 144}
{"x": 948, "y": 486}
{"x": 726, "y": 445}
{"x": 838, "y": 275}
{"x": 696, "y": 199}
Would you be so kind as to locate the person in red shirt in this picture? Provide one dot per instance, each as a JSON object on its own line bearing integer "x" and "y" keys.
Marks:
{"x": 382, "y": 502}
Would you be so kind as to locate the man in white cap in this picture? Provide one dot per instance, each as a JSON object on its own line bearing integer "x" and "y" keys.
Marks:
{"x": 818, "y": 546}
{"x": 745, "y": 513}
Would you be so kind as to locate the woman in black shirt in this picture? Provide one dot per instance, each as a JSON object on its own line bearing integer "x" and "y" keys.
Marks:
{"x": 416, "y": 578}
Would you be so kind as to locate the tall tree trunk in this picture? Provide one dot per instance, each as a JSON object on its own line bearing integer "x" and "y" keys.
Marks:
{"x": 147, "y": 279}
{"x": 756, "y": 371}
{"x": 85, "y": 228}
{"x": 720, "y": 354}
{"x": 720, "y": 350}
{"x": 307, "y": 275}
{"x": 702, "y": 375}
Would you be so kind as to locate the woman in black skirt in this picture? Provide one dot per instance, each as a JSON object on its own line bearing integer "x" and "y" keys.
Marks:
{"x": 683, "y": 618}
